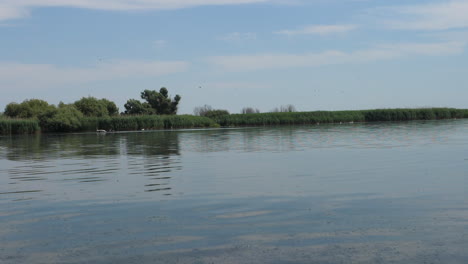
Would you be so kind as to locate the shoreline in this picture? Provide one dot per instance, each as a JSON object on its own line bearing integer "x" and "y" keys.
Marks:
{"x": 170, "y": 122}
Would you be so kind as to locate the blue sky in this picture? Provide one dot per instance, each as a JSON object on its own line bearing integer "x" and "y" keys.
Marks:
{"x": 315, "y": 54}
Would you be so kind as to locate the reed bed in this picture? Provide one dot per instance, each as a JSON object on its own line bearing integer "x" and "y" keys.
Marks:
{"x": 18, "y": 126}
{"x": 414, "y": 114}
{"x": 131, "y": 123}
{"x": 148, "y": 122}
{"x": 317, "y": 117}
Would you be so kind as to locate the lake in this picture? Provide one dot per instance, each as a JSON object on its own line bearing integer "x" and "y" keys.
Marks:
{"x": 349, "y": 193}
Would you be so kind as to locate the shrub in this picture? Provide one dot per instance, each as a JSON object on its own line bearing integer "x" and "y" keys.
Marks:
{"x": 63, "y": 119}
{"x": 90, "y": 106}
{"x": 27, "y": 109}
{"x": 213, "y": 114}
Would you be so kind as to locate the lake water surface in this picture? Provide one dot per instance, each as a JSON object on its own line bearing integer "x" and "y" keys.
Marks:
{"x": 354, "y": 193}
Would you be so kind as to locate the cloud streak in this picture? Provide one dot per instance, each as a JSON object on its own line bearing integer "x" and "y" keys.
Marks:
{"x": 435, "y": 16}
{"x": 11, "y": 9}
{"x": 333, "y": 57}
{"x": 19, "y": 75}
{"x": 238, "y": 37}
{"x": 318, "y": 30}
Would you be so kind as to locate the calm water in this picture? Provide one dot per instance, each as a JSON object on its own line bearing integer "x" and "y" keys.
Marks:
{"x": 354, "y": 193}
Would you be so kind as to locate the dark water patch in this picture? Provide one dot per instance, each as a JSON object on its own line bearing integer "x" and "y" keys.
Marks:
{"x": 156, "y": 184}
{"x": 158, "y": 190}
{"x": 30, "y": 179}
{"x": 19, "y": 192}
{"x": 161, "y": 178}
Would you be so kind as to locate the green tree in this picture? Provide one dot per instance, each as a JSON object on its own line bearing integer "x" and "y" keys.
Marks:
{"x": 161, "y": 102}
{"x": 13, "y": 110}
{"x": 27, "y": 109}
{"x": 112, "y": 108}
{"x": 65, "y": 118}
{"x": 92, "y": 107}
{"x": 135, "y": 107}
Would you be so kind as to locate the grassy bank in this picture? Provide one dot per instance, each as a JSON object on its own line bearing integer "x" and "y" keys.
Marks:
{"x": 268, "y": 119}
{"x": 129, "y": 123}
{"x": 119, "y": 123}
{"x": 18, "y": 126}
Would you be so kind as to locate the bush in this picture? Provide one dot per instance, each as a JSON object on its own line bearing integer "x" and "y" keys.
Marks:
{"x": 208, "y": 111}
{"x": 111, "y": 107}
{"x": 27, "y": 109}
{"x": 213, "y": 114}
{"x": 63, "y": 119}
{"x": 93, "y": 107}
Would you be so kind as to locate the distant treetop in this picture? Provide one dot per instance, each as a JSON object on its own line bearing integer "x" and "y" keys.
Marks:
{"x": 156, "y": 103}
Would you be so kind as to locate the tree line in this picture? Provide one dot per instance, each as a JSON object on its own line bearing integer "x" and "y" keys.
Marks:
{"x": 67, "y": 117}
{"x": 208, "y": 111}
{"x": 156, "y": 103}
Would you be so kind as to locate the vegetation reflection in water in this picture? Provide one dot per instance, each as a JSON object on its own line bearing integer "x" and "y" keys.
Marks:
{"x": 92, "y": 158}
{"x": 363, "y": 193}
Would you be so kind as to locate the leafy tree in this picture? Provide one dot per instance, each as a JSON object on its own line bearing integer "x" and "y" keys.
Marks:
{"x": 27, "y": 109}
{"x": 91, "y": 106}
{"x": 14, "y": 110}
{"x": 250, "y": 110}
{"x": 65, "y": 118}
{"x": 112, "y": 108}
{"x": 135, "y": 107}
{"x": 161, "y": 102}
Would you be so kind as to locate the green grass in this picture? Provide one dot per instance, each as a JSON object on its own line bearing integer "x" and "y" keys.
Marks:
{"x": 18, "y": 126}
{"x": 129, "y": 123}
{"x": 297, "y": 118}
{"x": 148, "y": 122}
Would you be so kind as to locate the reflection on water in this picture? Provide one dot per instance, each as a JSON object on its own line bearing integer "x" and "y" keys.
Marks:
{"x": 351, "y": 193}
{"x": 64, "y": 160}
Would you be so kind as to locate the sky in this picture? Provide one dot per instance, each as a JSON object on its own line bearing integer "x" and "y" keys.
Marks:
{"x": 231, "y": 54}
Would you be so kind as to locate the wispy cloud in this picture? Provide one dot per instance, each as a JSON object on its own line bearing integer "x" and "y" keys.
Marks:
{"x": 382, "y": 52}
{"x": 318, "y": 30}
{"x": 160, "y": 43}
{"x": 10, "y": 9}
{"x": 20, "y": 75}
{"x": 434, "y": 16}
{"x": 238, "y": 37}
{"x": 458, "y": 35}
